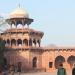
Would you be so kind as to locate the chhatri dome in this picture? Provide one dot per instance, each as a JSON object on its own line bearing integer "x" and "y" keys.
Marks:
{"x": 19, "y": 13}
{"x": 19, "y": 16}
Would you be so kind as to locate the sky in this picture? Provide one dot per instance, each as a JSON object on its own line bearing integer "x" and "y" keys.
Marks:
{"x": 56, "y": 18}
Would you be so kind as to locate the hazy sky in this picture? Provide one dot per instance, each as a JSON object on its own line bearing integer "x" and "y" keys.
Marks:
{"x": 56, "y": 18}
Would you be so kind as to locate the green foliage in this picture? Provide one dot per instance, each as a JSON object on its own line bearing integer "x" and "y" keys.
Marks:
{"x": 2, "y": 45}
{"x": 2, "y": 49}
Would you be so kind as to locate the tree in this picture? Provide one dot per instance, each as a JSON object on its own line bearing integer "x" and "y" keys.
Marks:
{"x": 2, "y": 49}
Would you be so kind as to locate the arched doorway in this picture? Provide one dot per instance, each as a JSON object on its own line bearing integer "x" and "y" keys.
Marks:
{"x": 71, "y": 60}
{"x": 19, "y": 42}
{"x": 34, "y": 62}
{"x": 58, "y": 60}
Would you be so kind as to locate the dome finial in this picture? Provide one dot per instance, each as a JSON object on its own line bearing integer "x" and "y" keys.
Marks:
{"x": 19, "y": 12}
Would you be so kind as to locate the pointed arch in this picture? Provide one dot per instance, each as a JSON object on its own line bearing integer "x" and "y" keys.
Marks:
{"x": 19, "y": 42}
{"x": 71, "y": 60}
{"x": 34, "y": 61}
{"x": 13, "y": 42}
{"x": 19, "y": 22}
{"x": 8, "y": 41}
{"x": 34, "y": 42}
{"x": 38, "y": 41}
{"x": 4, "y": 41}
{"x": 30, "y": 42}
{"x": 13, "y": 22}
{"x": 58, "y": 60}
{"x": 25, "y": 41}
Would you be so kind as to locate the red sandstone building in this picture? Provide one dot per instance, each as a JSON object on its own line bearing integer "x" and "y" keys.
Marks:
{"x": 23, "y": 45}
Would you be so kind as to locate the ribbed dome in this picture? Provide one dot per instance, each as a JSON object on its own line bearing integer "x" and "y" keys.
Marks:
{"x": 19, "y": 13}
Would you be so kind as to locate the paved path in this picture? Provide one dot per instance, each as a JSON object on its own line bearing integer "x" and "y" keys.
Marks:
{"x": 44, "y": 73}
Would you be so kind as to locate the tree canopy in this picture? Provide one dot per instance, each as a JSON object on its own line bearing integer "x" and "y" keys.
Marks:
{"x": 2, "y": 49}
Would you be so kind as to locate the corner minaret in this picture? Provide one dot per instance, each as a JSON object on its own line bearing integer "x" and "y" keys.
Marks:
{"x": 22, "y": 44}
{"x": 23, "y": 37}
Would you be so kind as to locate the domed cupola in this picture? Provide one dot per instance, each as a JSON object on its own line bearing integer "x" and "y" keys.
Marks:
{"x": 19, "y": 13}
{"x": 19, "y": 16}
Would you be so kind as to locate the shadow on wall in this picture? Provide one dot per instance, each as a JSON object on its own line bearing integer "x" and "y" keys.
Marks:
{"x": 14, "y": 57}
